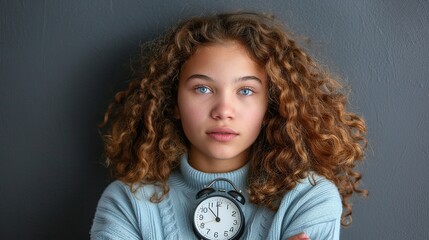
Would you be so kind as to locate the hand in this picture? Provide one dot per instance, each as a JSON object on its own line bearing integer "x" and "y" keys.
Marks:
{"x": 217, "y": 212}
{"x": 210, "y": 221}
{"x": 301, "y": 236}
{"x": 212, "y": 212}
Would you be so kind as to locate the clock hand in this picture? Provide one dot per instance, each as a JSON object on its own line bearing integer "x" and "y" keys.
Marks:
{"x": 210, "y": 221}
{"x": 217, "y": 209}
{"x": 212, "y": 212}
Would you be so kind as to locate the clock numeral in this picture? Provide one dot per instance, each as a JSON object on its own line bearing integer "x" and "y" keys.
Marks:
{"x": 209, "y": 211}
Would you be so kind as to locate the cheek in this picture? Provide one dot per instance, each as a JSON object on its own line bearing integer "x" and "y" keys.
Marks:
{"x": 191, "y": 116}
{"x": 255, "y": 124}
{"x": 257, "y": 114}
{"x": 255, "y": 120}
{"x": 189, "y": 111}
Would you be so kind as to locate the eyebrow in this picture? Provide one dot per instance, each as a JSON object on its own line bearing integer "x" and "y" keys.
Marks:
{"x": 207, "y": 78}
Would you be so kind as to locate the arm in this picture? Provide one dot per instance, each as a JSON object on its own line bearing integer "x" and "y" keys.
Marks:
{"x": 314, "y": 210}
{"x": 115, "y": 217}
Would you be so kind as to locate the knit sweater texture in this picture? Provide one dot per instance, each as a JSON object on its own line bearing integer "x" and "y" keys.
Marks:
{"x": 313, "y": 206}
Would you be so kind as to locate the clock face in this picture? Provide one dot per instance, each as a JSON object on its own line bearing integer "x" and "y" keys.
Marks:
{"x": 218, "y": 217}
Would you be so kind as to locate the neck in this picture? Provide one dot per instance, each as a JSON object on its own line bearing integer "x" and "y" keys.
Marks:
{"x": 216, "y": 165}
{"x": 197, "y": 179}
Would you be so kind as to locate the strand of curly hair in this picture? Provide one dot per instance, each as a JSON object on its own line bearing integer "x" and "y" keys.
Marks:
{"x": 308, "y": 127}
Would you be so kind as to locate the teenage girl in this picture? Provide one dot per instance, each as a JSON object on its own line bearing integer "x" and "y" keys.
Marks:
{"x": 229, "y": 98}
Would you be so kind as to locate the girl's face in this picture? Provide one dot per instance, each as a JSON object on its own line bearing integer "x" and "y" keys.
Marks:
{"x": 222, "y": 100}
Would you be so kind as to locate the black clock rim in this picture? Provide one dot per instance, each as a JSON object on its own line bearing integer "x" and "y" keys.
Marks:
{"x": 243, "y": 220}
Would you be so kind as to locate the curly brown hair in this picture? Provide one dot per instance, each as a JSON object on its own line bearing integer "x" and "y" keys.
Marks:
{"x": 308, "y": 127}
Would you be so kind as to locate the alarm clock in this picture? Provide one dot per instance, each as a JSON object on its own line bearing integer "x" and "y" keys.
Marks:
{"x": 218, "y": 213}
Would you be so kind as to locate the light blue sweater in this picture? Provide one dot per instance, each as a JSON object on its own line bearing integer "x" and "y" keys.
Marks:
{"x": 121, "y": 214}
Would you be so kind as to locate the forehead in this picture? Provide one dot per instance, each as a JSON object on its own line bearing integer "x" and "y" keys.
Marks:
{"x": 220, "y": 55}
{"x": 231, "y": 46}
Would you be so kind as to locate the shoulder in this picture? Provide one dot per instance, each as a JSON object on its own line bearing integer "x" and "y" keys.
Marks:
{"x": 312, "y": 191}
{"x": 116, "y": 188}
{"x": 314, "y": 187}
{"x": 121, "y": 192}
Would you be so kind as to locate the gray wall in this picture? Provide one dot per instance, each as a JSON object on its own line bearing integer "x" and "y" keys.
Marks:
{"x": 61, "y": 62}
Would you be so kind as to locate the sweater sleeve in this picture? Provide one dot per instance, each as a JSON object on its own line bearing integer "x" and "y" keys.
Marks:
{"x": 316, "y": 211}
{"x": 115, "y": 217}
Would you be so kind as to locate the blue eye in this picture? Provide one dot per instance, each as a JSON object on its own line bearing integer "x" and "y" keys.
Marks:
{"x": 202, "y": 89}
{"x": 246, "y": 91}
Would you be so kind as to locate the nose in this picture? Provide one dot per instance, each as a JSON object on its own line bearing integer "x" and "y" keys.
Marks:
{"x": 223, "y": 108}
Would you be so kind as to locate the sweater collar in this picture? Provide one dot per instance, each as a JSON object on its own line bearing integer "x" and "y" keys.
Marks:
{"x": 197, "y": 179}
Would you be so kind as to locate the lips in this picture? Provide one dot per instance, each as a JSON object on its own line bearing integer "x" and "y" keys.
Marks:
{"x": 222, "y": 134}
